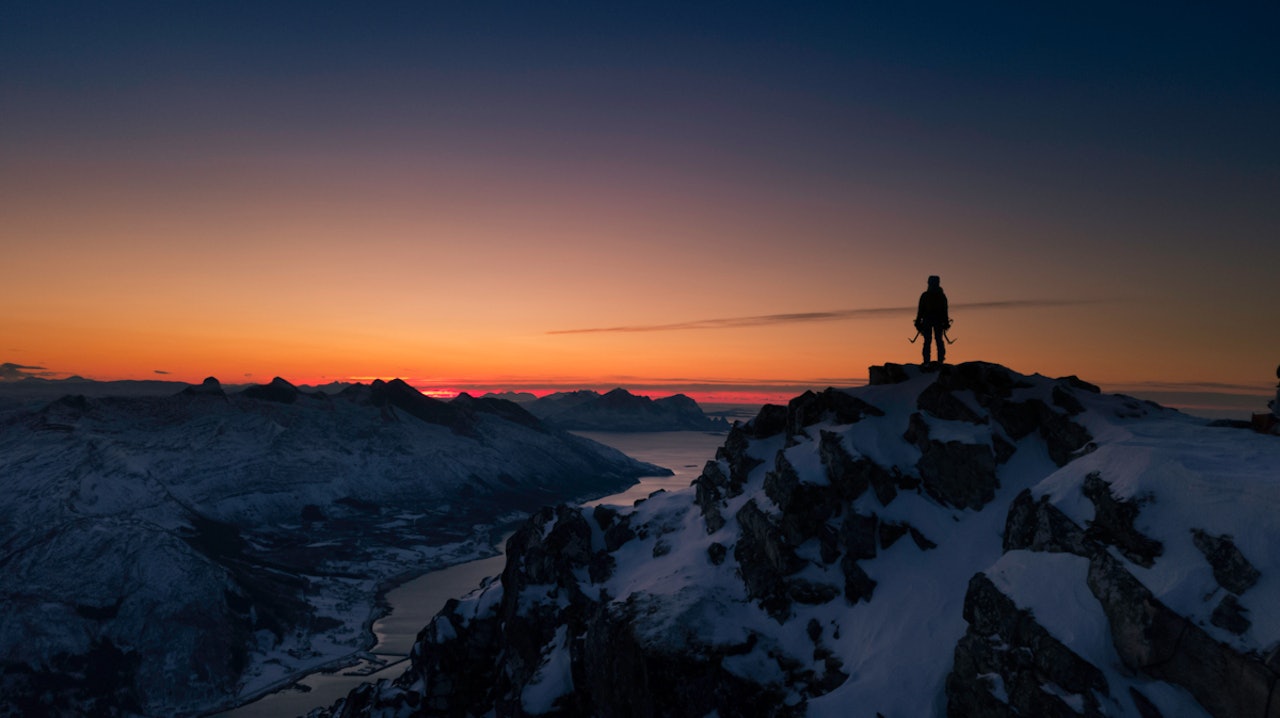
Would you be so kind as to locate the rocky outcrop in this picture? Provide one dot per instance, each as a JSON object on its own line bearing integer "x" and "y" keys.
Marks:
{"x": 1007, "y": 664}
{"x": 1148, "y": 636}
{"x": 1155, "y": 640}
{"x": 954, "y": 472}
{"x": 1231, "y": 569}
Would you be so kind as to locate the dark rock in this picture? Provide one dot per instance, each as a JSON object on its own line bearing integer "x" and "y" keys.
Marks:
{"x": 990, "y": 383}
{"x": 858, "y": 586}
{"x": 829, "y": 543}
{"x": 604, "y": 516}
{"x": 841, "y": 470}
{"x": 1008, "y": 642}
{"x": 1150, "y": 637}
{"x": 1112, "y": 523}
{"x": 940, "y": 402}
{"x": 734, "y": 453}
{"x": 917, "y": 433}
{"x": 781, "y": 484}
{"x": 627, "y": 675}
{"x": 858, "y": 535}
{"x": 1003, "y": 449}
{"x": 1076, "y": 382}
{"x": 717, "y": 553}
{"x": 831, "y": 405}
{"x": 805, "y": 507}
{"x": 958, "y": 474}
{"x": 601, "y": 566}
{"x": 456, "y": 658}
{"x": 1018, "y": 419}
{"x": 618, "y": 534}
{"x": 814, "y": 629}
{"x": 887, "y": 374}
{"x": 850, "y": 476}
{"x": 922, "y": 542}
{"x": 1146, "y": 709}
{"x": 811, "y": 592}
{"x": 550, "y": 545}
{"x": 890, "y": 533}
{"x": 1229, "y": 615}
{"x": 1064, "y": 438}
{"x": 771, "y": 420}
{"x": 886, "y": 484}
{"x": 1067, "y": 401}
{"x": 1231, "y": 569}
{"x": 1041, "y": 526}
{"x": 709, "y": 491}
{"x": 764, "y": 558}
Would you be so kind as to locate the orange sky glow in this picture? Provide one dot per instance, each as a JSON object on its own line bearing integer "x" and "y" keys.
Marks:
{"x": 445, "y": 215}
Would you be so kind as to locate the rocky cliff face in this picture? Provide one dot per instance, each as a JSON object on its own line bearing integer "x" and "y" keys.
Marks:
{"x": 163, "y": 555}
{"x": 971, "y": 542}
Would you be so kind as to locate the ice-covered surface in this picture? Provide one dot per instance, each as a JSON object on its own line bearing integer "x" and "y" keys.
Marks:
{"x": 224, "y": 543}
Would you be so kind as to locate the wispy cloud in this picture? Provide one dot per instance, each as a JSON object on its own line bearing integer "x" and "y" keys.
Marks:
{"x": 13, "y": 372}
{"x": 836, "y": 315}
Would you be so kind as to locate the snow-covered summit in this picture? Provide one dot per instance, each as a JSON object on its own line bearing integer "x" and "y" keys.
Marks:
{"x": 966, "y": 542}
{"x": 166, "y": 554}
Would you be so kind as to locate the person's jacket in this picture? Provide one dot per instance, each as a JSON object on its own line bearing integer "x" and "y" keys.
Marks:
{"x": 932, "y": 311}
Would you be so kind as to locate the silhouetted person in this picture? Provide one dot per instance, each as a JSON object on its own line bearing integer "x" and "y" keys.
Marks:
{"x": 932, "y": 320}
{"x": 1275, "y": 403}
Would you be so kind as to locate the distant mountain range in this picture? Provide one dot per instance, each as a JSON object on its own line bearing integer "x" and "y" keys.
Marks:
{"x": 617, "y": 410}
{"x": 168, "y": 554}
{"x": 583, "y": 410}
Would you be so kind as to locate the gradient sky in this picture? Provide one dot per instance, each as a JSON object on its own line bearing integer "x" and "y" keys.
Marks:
{"x": 447, "y": 192}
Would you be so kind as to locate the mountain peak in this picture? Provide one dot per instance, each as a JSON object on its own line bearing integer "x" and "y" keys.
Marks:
{"x": 209, "y": 387}
{"x": 937, "y": 541}
{"x": 278, "y": 391}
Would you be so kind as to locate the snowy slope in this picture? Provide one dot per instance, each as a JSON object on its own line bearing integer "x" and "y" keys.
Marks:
{"x": 166, "y": 554}
{"x": 967, "y": 542}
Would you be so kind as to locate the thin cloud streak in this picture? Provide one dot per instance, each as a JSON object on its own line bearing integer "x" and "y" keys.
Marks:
{"x": 799, "y": 317}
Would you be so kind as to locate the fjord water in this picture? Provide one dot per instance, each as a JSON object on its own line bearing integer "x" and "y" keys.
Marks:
{"x": 415, "y": 602}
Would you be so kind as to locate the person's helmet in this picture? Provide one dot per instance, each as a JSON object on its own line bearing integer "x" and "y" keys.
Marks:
{"x": 934, "y": 282}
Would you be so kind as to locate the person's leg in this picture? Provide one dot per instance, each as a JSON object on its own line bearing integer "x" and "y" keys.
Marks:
{"x": 940, "y": 332}
{"x": 928, "y": 341}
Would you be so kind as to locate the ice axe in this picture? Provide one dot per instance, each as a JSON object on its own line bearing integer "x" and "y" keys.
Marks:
{"x": 953, "y": 341}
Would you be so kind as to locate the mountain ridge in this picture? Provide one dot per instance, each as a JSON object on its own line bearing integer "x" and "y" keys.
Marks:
{"x": 620, "y": 410}
{"x": 205, "y": 544}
